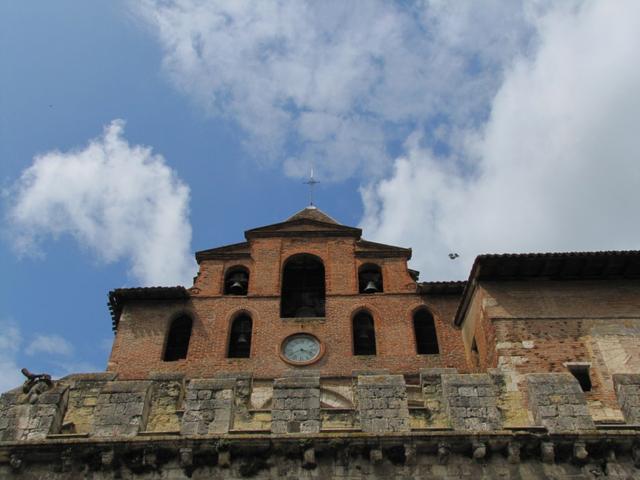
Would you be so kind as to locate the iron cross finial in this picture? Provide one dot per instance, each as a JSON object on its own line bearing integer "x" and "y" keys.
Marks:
{"x": 312, "y": 182}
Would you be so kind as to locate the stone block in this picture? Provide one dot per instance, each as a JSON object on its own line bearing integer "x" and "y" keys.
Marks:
{"x": 121, "y": 408}
{"x": 627, "y": 388}
{"x": 558, "y": 403}
{"x": 382, "y": 403}
{"x": 471, "y": 401}
{"x": 296, "y": 404}
{"x": 22, "y": 420}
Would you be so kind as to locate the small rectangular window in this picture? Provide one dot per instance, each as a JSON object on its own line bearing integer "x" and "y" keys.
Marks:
{"x": 581, "y": 372}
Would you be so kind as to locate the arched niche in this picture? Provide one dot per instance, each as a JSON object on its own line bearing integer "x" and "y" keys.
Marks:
{"x": 178, "y": 337}
{"x": 236, "y": 280}
{"x": 370, "y": 279}
{"x": 424, "y": 328}
{"x": 303, "y": 287}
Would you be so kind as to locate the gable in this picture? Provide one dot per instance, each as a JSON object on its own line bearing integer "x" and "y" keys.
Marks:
{"x": 367, "y": 249}
{"x": 304, "y": 227}
{"x": 227, "y": 252}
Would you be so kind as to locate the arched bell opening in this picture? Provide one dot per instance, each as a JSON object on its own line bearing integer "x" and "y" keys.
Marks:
{"x": 236, "y": 281}
{"x": 364, "y": 335}
{"x": 240, "y": 337}
{"x": 177, "y": 344}
{"x": 370, "y": 278}
{"x": 303, "y": 287}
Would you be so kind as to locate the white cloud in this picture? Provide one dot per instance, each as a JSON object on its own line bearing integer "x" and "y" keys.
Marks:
{"x": 555, "y": 167}
{"x": 121, "y": 201}
{"x": 333, "y": 83}
{"x": 524, "y": 114}
{"x": 50, "y": 345}
{"x": 10, "y": 340}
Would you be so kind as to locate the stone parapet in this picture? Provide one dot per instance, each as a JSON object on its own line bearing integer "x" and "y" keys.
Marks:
{"x": 208, "y": 406}
{"x": 431, "y": 387}
{"x": 471, "y": 401}
{"x": 167, "y": 396}
{"x": 296, "y": 405}
{"x": 168, "y": 404}
{"x": 122, "y": 408}
{"x": 84, "y": 390}
{"x": 382, "y": 403}
{"x": 557, "y": 402}
{"x": 21, "y": 420}
{"x": 627, "y": 388}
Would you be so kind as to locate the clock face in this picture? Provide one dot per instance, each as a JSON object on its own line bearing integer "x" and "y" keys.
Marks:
{"x": 301, "y": 348}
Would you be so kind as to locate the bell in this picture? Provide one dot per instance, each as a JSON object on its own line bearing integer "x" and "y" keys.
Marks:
{"x": 237, "y": 288}
{"x": 363, "y": 335}
{"x": 371, "y": 287}
{"x": 242, "y": 338}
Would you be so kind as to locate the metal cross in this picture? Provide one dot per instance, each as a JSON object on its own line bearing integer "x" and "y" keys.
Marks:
{"x": 312, "y": 182}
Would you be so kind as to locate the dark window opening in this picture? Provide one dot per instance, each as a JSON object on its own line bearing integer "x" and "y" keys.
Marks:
{"x": 475, "y": 354}
{"x": 364, "y": 335}
{"x": 240, "y": 338}
{"x": 178, "y": 339}
{"x": 425, "y": 331}
{"x": 236, "y": 281}
{"x": 581, "y": 373}
{"x": 303, "y": 291}
{"x": 370, "y": 279}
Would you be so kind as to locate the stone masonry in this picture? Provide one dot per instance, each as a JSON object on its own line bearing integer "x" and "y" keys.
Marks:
{"x": 166, "y": 402}
{"x": 557, "y": 402}
{"x": 472, "y": 401}
{"x": 208, "y": 406}
{"x": 296, "y": 405}
{"x": 20, "y": 420}
{"x": 431, "y": 385}
{"x": 382, "y": 403}
{"x": 122, "y": 408}
{"x": 628, "y": 393}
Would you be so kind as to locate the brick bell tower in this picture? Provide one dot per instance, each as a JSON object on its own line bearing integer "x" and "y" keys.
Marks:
{"x": 308, "y": 352}
{"x": 305, "y": 294}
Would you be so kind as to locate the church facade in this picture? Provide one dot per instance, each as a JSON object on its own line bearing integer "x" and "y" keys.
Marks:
{"x": 309, "y": 352}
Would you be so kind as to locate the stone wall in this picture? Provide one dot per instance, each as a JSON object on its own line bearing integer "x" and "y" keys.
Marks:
{"x": 558, "y": 403}
{"x": 431, "y": 386}
{"x": 628, "y": 392}
{"x": 22, "y": 420}
{"x": 121, "y": 409}
{"x": 207, "y": 428}
{"x": 382, "y": 403}
{"x": 166, "y": 403}
{"x": 208, "y": 406}
{"x": 296, "y": 405}
{"x": 391, "y": 457}
{"x": 374, "y": 403}
{"x": 472, "y": 401}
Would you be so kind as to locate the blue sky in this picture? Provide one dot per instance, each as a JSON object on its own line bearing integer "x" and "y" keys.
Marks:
{"x": 135, "y": 133}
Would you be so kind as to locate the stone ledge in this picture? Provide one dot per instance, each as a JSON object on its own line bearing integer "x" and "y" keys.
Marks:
{"x": 297, "y": 382}
{"x": 381, "y": 380}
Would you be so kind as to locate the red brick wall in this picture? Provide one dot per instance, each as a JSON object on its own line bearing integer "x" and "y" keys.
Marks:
{"x": 142, "y": 330}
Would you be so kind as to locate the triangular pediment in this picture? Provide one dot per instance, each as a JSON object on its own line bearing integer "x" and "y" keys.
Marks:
{"x": 367, "y": 249}
{"x": 303, "y": 227}
{"x": 233, "y": 251}
{"x": 308, "y": 222}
